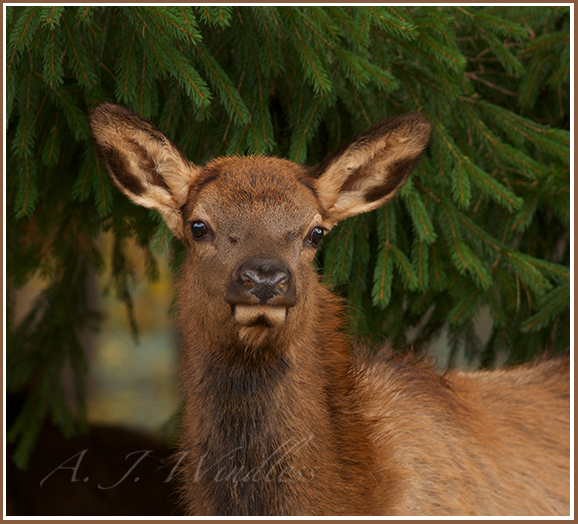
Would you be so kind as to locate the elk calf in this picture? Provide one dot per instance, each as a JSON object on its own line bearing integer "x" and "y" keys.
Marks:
{"x": 280, "y": 418}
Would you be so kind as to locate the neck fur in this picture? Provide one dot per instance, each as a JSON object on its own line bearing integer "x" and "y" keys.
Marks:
{"x": 279, "y": 435}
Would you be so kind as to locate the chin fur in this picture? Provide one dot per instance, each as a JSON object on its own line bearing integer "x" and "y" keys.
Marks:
{"x": 257, "y": 324}
{"x": 253, "y": 337}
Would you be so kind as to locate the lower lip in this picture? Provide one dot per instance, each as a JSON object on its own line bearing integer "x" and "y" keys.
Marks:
{"x": 250, "y": 315}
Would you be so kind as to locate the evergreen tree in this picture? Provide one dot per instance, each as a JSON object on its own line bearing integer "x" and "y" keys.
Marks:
{"x": 482, "y": 223}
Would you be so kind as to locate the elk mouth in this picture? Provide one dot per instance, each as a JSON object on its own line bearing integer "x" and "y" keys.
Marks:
{"x": 259, "y": 315}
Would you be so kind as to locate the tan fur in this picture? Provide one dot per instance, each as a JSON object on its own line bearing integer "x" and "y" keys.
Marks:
{"x": 405, "y": 140}
{"x": 115, "y": 128}
{"x": 247, "y": 314}
{"x": 485, "y": 443}
{"x": 280, "y": 417}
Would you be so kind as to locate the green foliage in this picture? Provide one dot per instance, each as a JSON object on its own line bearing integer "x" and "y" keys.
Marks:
{"x": 482, "y": 224}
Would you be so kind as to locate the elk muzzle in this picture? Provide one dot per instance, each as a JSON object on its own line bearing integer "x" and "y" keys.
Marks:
{"x": 260, "y": 292}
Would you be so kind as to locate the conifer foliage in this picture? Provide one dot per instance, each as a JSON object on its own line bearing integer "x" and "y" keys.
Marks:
{"x": 482, "y": 224}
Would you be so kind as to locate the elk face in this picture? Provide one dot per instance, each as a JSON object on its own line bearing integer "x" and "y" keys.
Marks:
{"x": 252, "y": 225}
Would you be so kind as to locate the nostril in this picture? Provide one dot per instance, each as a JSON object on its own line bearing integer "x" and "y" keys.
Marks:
{"x": 283, "y": 285}
{"x": 247, "y": 279}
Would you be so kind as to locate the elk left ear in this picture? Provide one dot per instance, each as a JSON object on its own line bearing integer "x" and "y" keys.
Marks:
{"x": 367, "y": 172}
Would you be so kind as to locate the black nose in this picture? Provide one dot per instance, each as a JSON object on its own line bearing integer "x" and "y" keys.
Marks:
{"x": 262, "y": 281}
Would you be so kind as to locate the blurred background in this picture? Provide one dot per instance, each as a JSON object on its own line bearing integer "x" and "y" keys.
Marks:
{"x": 132, "y": 379}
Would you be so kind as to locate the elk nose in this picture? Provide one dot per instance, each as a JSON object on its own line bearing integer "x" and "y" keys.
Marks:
{"x": 267, "y": 281}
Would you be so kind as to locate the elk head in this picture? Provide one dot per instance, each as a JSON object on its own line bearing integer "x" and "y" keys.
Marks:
{"x": 252, "y": 225}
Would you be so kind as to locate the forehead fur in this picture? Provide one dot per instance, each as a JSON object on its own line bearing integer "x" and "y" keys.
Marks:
{"x": 243, "y": 183}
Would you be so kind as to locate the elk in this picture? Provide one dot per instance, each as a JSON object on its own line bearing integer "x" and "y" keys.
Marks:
{"x": 281, "y": 417}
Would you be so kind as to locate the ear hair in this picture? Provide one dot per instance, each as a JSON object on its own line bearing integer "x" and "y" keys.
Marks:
{"x": 364, "y": 174}
{"x": 143, "y": 162}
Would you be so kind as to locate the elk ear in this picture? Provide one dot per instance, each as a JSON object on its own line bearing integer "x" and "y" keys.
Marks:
{"x": 143, "y": 162}
{"x": 365, "y": 173}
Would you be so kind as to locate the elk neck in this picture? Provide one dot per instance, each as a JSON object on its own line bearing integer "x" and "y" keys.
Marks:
{"x": 277, "y": 431}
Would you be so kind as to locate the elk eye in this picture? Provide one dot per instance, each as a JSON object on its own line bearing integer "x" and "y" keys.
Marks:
{"x": 199, "y": 229}
{"x": 316, "y": 236}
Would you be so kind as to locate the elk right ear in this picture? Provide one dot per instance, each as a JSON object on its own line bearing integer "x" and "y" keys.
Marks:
{"x": 143, "y": 162}
{"x": 368, "y": 171}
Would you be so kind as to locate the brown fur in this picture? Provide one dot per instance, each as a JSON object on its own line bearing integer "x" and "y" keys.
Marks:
{"x": 280, "y": 418}
{"x": 484, "y": 443}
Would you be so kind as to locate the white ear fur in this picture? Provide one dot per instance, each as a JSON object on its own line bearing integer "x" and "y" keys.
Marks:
{"x": 143, "y": 162}
{"x": 366, "y": 173}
